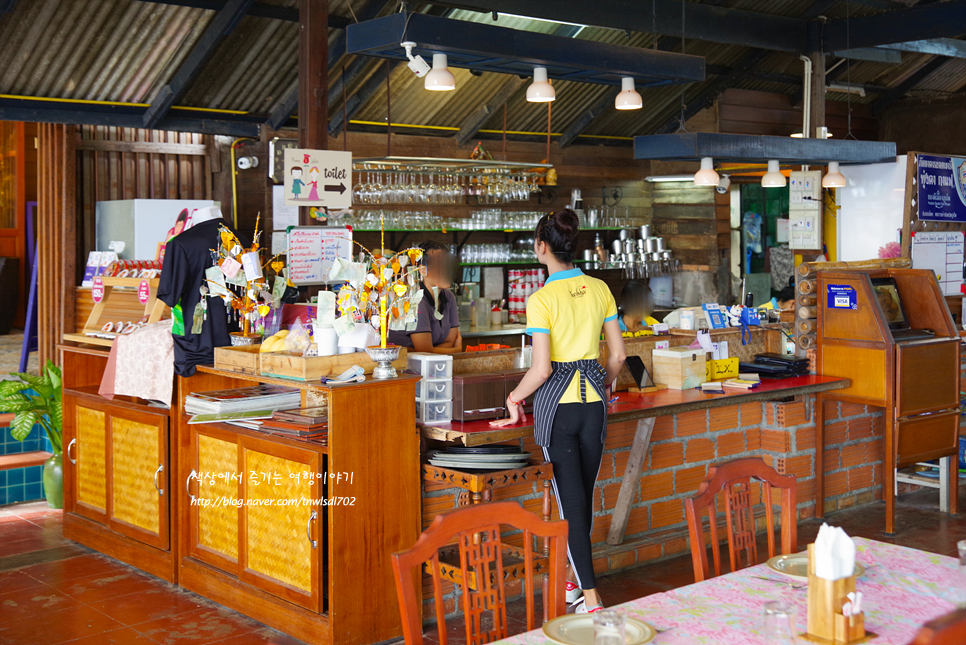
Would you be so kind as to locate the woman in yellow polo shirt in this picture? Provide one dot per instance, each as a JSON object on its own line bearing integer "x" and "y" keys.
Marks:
{"x": 565, "y": 318}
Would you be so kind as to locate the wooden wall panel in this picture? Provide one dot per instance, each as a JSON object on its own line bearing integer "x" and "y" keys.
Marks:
{"x": 56, "y": 235}
{"x": 126, "y": 163}
{"x": 751, "y": 112}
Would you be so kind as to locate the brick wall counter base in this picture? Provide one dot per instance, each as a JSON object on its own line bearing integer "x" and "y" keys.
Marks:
{"x": 682, "y": 448}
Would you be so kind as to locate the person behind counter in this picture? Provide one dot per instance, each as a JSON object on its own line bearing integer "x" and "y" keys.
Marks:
{"x": 784, "y": 300}
{"x": 565, "y": 318}
{"x": 437, "y": 320}
{"x": 637, "y": 303}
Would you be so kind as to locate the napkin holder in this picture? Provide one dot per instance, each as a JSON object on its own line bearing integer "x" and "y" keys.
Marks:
{"x": 826, "y": 623}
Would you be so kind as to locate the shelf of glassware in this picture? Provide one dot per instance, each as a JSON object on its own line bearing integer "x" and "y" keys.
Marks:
{"x": 475, "y": 230}
{"x": 517, "y": 262}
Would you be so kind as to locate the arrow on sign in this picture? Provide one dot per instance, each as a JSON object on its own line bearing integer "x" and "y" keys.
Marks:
{"x": 335, "y": 189}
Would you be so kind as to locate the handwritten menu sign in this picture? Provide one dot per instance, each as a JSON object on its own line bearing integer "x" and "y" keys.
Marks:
{"x": 312, "y": 249}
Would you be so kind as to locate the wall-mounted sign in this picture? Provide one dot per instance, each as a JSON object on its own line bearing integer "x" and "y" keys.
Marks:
{"x": 318, "y": 178}
{"x": 841, "y": 296}
{"x": 942, "y": 188}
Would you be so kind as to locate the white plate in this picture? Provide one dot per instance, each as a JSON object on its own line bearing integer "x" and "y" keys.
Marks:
{"x": 796, "y": 566}
{"x": 497, "y": 457}
{"x": 578, "y": 629}
{"x": 478, "y": 465}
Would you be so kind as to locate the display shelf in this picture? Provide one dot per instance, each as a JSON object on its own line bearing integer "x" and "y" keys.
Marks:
{"x": 477, "y": 230}
{"x": 510, "y": 262}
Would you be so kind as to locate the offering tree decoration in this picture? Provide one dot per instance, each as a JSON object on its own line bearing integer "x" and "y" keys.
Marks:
{"x": 233, "y": 259}
{"x": 390, "y": 288}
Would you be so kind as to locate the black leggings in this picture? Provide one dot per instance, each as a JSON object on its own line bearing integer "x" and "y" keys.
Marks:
{"x": 575, "y": 451}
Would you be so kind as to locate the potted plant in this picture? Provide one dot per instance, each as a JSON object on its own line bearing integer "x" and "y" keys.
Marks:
{"x": 37, "y": 400}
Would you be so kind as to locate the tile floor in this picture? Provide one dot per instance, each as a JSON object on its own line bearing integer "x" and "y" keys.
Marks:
{"x": 55, "y": 591}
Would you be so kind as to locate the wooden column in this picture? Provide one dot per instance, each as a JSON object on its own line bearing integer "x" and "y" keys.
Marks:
{"x": 313, "y": 114}
{"x": 56, "y": 236}
{"x": 816, "y": 117}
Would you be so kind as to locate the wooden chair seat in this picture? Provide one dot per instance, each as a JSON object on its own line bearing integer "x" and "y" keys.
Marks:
{"x": 945, "y": 630}
{"x": 734, "y": 479}
{"x": 481, "y": 552}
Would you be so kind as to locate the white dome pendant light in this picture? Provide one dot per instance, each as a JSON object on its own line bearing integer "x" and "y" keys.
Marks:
{"x": 833, "y": 178}
{"x": 628, "y": 99}
{"x": 540, "y": 90}
{"x": 440, "y": 79}
{"x": 773, "y": 178}
{"x": 706, "y": 176}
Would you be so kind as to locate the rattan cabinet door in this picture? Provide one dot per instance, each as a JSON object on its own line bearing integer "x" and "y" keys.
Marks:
{"x": 85, "y": 466}
{"x": 212, "y": 480}
{"x": 281, "y": 528}
{"x": 138, "y": 472}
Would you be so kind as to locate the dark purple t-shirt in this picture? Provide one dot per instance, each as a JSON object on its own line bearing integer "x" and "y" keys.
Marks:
{"x": 426, "y": 320}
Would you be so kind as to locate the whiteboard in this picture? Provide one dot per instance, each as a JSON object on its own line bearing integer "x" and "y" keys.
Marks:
{"x": 941, "y": 252}
{"x": 311, "y": 250}
{"x": 870, "y": 208}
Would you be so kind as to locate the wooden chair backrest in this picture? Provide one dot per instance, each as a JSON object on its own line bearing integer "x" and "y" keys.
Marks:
{"x": 945, "y": 630}
{"x": 476, "y": 530}
{"x": 734, "y": 477}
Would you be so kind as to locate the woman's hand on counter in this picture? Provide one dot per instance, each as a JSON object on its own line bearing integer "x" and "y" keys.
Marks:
{"x": 516, "y": 414}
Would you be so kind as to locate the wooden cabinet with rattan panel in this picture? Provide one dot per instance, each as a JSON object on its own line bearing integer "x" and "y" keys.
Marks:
{"x": 116, "y": 492}
{"x": 319, "y": 572}
{"x": 252, "y": 511}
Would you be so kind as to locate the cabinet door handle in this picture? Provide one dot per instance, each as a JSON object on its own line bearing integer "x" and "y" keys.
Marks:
{"x": 187, "y": 485}
{"x": 156, "y": 473}
{"x": 72, "y": 442}
{"x": 308, "y": 528}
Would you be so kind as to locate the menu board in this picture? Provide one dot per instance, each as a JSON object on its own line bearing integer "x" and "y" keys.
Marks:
{"x": 312, "y": 249}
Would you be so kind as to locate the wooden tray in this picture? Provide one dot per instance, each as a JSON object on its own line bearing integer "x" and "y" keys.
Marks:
{"x": 120, "y": 303}
{"x": 291, "y": 366}
{"x": 243, "y": 359}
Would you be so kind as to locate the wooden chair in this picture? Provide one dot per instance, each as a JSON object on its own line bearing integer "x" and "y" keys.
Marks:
{"x": 735, "y": 478}
{"x": 476, "y": 530}
{"x": 945, "y": 630}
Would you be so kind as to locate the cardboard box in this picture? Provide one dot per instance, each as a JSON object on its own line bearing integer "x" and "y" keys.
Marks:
{"x": 680, "y": 368}
{"x": 716, "y": 370}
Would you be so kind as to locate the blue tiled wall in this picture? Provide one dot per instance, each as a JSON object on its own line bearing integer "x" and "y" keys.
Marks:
{"x": 22, "y": 484}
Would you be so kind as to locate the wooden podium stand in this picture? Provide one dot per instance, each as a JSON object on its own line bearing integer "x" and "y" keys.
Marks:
{"x": 917, "y": 382}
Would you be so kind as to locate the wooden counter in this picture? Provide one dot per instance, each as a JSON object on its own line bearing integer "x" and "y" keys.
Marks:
{"x": 642, "y": 406}
{"x": 231, "y": 514}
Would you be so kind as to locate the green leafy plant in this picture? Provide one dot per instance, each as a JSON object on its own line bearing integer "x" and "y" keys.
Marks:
{"x": 35, "y": 399}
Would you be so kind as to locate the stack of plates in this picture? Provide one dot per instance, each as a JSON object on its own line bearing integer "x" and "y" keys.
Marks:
{"x": 482, "y": 458}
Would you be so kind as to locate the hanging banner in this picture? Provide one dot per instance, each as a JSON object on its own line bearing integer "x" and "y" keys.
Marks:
{"x": 942, "y": 188}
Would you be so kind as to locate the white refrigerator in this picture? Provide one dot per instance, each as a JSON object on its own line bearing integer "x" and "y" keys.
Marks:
{"x": 134, "y": 228}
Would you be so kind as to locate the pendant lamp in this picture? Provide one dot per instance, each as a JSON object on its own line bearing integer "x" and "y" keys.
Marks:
{"x": 833, "y": 178}
{"x": 773, "y": 178}
{"x": 706, "y": 176}
{"x": 440, "y": 79}
{"x": 628, "y": 99}
{"x": 540, "y": 90}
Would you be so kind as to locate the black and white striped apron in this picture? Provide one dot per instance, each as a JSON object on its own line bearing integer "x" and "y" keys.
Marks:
{"x": 547, "y": 397}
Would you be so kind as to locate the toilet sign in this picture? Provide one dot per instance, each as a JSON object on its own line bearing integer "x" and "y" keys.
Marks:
{"x": 144, "y": 292}
{"x": 97, "y": 289}
{"x": 318, "y": 178}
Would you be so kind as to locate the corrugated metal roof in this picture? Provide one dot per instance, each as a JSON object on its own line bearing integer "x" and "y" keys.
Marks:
{"x": 126, "y": 50}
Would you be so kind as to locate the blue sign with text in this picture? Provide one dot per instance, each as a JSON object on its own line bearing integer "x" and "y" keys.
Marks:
{"x": 841, "y": 296}
{"x": 942, "y": 188}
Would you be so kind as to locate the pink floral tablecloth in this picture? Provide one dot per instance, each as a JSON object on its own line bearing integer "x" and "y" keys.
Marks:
{"x": 903, "y": 588}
